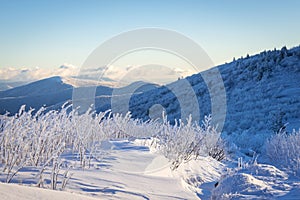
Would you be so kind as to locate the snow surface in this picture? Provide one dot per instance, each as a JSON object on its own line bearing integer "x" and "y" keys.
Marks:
{"x": 14, "y": 191}
{"x": 128, "y": 171}
{"x": 131, "y": 171}
{"x": 258, "y": 181}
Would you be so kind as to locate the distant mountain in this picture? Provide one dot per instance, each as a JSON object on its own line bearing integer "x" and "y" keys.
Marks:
{"x": 35, "y": 95}
{"x": 42, "y": 87}
{"x": 53, "y": 92}
{"x": 6, "y": 85}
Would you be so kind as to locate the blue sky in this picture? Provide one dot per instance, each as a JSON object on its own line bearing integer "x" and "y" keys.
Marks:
{"x": 50, "y": 33}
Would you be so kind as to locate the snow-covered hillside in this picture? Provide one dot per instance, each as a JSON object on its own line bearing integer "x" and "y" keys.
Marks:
{"x": 262, "y": 93}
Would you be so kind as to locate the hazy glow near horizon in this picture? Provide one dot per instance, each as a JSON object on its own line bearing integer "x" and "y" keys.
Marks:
{"x": 155, "y": 66}
{"x": 52, "y": 32}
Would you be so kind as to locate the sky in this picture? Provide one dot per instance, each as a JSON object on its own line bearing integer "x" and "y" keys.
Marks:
{"x": 50, "y": 33}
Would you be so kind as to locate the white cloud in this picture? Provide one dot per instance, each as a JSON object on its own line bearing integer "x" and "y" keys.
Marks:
{"x": 31, "y": 74}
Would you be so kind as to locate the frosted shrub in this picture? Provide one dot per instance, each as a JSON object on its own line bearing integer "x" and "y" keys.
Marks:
{"x": 284, "y": 150}
{"x": 87, "y": 133}
{"x": 14, "y": 147}
{"x": 183, "y": 142}
{"x": 116, "y": 125}
{"x": 44, "y": 141}
{"x": 40, "y": 140}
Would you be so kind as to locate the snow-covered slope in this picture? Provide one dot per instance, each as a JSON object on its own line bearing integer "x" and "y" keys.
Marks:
{"x": 262, "y": 93}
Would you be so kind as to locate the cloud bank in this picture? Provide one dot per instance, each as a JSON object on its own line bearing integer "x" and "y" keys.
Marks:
{"x": 116, "y": 75}
{"x": 31, "y": 74}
